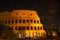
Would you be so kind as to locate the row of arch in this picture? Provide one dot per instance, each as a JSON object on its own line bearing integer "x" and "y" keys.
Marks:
{"x": 26, "y": 28}
{"x": 20, "y": 21}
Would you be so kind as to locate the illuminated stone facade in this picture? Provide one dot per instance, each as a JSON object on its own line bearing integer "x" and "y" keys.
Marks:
{"x": 23, "y": 22}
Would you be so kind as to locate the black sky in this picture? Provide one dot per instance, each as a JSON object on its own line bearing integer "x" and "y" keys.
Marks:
{"x": 48, "y": 10}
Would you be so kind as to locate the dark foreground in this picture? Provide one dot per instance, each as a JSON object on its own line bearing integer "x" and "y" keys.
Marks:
{"x": 50, "y": 38}
{"x": 39, "y": 39}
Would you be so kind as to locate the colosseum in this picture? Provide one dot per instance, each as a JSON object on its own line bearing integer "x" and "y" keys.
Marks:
{"x": 24, "y": 23}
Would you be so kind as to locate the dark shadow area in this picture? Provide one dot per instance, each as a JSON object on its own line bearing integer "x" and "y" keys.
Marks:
{"x": 6, "y": 33}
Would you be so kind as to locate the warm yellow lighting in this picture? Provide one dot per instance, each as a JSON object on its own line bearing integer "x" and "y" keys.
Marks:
{"x": 19, "y": 35}
{"x": 34, "y": 34}
{"x": 31, "y": 35}
{"x": 27, "y": 35}
{"x": 54, "y": 33}
{"x": 17, "y": 19}
{"x": 38, "y": 35}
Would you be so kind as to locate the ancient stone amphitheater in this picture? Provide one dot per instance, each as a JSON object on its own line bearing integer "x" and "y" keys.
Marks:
{"x": 24, "y": 23}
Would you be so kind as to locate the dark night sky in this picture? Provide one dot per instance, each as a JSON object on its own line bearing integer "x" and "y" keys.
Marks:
{"x": 48, "y": 10}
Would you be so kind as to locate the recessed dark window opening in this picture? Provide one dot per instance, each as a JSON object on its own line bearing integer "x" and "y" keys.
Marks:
{"x": 16, "y": 13}
{"x": 23, "y": 27}
{"x": 31, "y": 14}
{"x": 31, "y": 21}
{"x": 12, "y": 21}
{"x": 16, "y": 21}
{"x": 35, "y": 28}
{"x": 34, "y": 21}
{"x": 5, "y": 21}
{"x": 19, "y": 27}
{"x": 37, "y": 21}
{"x": 38, "y": 27}
{"x": 27, "y": 27}
{"x": 15, "y": 27}
{"x": 23, "y": 21}
{"x": 19, "y": 21}
{"x": 8, "y": 21}
{"x": 31, "y": 28}
{"x": 28, "y": 21}
{"x": 23, "y": 14}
